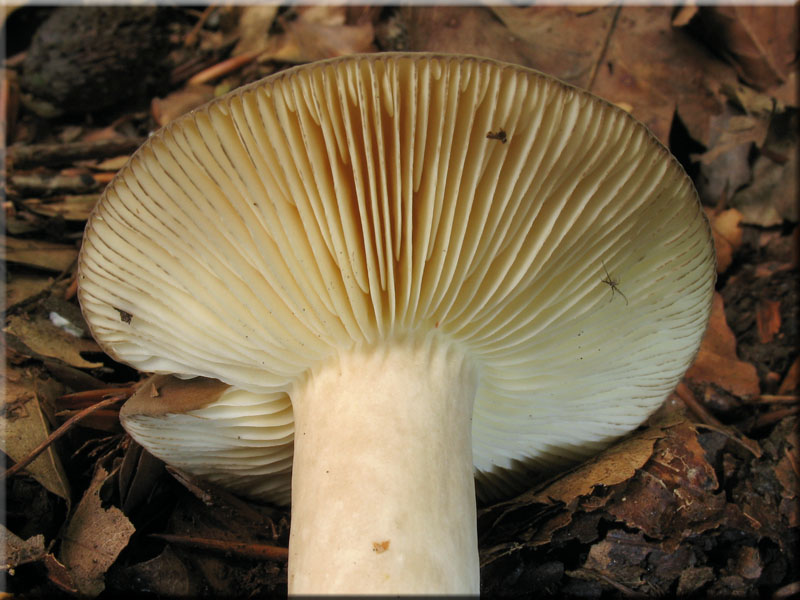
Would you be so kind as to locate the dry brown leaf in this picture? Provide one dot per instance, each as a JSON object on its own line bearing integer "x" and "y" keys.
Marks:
{"x": 723, "y": 250}
{"x": 734, "y": 131}
{"x": 657, "y": 69}
{"x": 165, "y": 576}
{"x": 768, "y": 320}
{"x": 18, "y": 551}
{"x": 180, "y": 102}
{"x": 791, "y": 382}
{"x": 773, "y": 195}
{"x": 465, "y": 30}
{"x": 752, "y": 101}
{"x": 620, "y": 557}
{"x": 561, "y": 41}
{"x": 320, "y": 32}
{"x": 40, "y": 254}
{"x": 684, "y": 15}
{"x": 748, "y": 563}
{"x": 94, "y": 538}
{"x": 25, "y": 427}
{"x": 727, "y": 234}
{"x": 717, "y": 361}
{"x": 760, "y": 41}
{"x": 253, "y": 28}
{"x": 615, "y": 465}
{"x": 728, "y": 224}
{"x": 69, "y": 208}
{"x": 692, "y": 579}
{"x": 24, "y": 285}
{"x": 45, "y": 339}
{"x": 112, "y": 164}
{"x": 676, "y": 494}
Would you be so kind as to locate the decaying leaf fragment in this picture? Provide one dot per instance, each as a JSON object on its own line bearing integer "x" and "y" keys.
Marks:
{"x": 39, "y": 254}
{"x": 20, "y": 552}
{"x": 717, "y": 361}
{"x": 46, "y": 339}
{"x": 25, "y": 426}
{"x": 676, "y": 493}
{"x": 760, "y": 41}
{"x": 94, "y": 538}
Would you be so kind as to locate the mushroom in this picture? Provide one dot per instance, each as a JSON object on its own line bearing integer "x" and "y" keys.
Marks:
{"x": 455, "y": 268}
{"x": 234, "y": 438}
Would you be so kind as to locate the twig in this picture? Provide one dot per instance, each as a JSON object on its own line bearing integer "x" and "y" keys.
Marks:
{"x": 24, "y": 156}
{"x": 245, "y": 550}
{"x": 212, "y": 495}
{"x": 78, "y": 399}
{"x": 224, "y": 67}
{"x": 66, "y": 426}
{"x": 787, "y": 591}
{"x": 745, "y": 442}
{"x": 190, "y": 39}
{"x": 685, "y": 394}
{"x": 773, "y": 417}
{"x": 776, "y": 399}
{"x": 709, "y": 421}
{"x": 602, "y": 55}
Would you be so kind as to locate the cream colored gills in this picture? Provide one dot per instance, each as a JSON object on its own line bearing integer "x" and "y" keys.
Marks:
{"x": 387, "y": 238}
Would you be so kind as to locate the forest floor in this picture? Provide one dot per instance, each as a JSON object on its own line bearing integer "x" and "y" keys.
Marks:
{"x": 702, "y": 500}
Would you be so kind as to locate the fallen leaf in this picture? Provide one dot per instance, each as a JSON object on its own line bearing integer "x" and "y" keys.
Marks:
{"x": 94, "y": 538}
{"x": 21, "y": 286}
{"x": 748, "y": 563}
{"x": 620, "y": 556}
{"x": 717, "y": 362}
{"x": 725, "y": 165}
{"x": 45, "y": 339}
{"x": 40, "y": 254}
{"x": 319, "y": 32}
{"x": 165, "y": 575}
{"x": 751, "y": 101}
{"x": 722, "y": 249}
{"x": 18, "y": 551}
{"x": 615, "y": 465}
{"x": 560, "y": 41}
{"x": 684, "y": 15}
{"x": 760, "y": 41}
{"x": 69, "y": 208}
{"x": 692, "y": 579}
{"x": 676, "y": 493}
{"x": 728, "y": 224}
{"x": 791, "y": 382}
{"x": 25, "y": 427}
{"x": 768, "y": 319}
{"x": 180, "y": 102}
{"x": 112, "y": 164}
{"x": 253, "y": 27}
{"x": 773, "y": 195}
{"x": 659, "y": 70}
{"x": 463, "y": 30}
{"x": 727, "y": 234}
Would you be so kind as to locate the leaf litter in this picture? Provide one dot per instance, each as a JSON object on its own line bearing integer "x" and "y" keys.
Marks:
{"x": 703, "y": 499}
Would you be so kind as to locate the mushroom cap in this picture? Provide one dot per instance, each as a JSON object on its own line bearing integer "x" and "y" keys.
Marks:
{"x": 348, "y": 203}
{"x": 241, "y": 440}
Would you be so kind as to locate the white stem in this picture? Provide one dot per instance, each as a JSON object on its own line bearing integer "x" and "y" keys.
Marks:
{"x": 383, "y": 498}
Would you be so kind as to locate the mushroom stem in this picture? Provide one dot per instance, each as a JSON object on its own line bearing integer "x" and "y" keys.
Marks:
{"x": 383, "y": 495}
